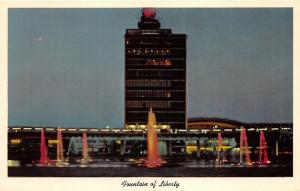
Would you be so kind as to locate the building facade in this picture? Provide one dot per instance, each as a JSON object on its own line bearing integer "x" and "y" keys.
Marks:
{"x": 155, "y": 74}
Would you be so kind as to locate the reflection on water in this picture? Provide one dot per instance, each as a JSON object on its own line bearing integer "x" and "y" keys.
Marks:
{"x": 130, "y": 162}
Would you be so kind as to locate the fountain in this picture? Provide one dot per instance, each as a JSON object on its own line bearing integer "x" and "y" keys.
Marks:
{"x": 244, "y": 149}
{"x": 43, "y": 149}
{"x": 263, "y": 149}
{"x": 219, "y": 146}
{"x": 60, "y": 160}
{"x": 153, "y": 160}
{"x": 85, "y": 150}
{"x": 84, "y": 146}
{"x": 59, "y": 146}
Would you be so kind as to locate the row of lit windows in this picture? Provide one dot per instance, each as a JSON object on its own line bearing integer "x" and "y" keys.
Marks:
{"x": 138, "y": 126}
{"x": 157, "y": 112}
{"x": 148, "y": 51}
{"x": 149, "y": 94}
{"x": 142, "y": 59}
{"x": 178, "y": 74}
{"x": 148, "y": 104}
{"x": 159, "y": 62}
{"x": 155, "y": 63}
{"x": 159, "y": 117}
{"x": 156, "y": 69}
{"x": 148, "y": 83}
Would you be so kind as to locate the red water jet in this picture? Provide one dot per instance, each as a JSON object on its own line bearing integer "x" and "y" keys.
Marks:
{"x": 244, "y": 149}
{"x": 43, "y": 149}
{"x": 85, "y": 154}
{"x": 263, "y": 149}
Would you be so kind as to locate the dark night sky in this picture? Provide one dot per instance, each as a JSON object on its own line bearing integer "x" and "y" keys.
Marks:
{"x": 66, "y": 66}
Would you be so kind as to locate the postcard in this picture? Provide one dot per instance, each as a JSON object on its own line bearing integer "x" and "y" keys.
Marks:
{"x": 148, "y": 97}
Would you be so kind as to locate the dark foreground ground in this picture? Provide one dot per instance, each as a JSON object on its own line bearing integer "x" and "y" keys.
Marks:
{"x": 286, "y": 171}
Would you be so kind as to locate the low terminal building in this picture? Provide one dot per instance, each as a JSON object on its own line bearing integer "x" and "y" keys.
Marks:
{"x": 206, "y": 122}
{"x": 210, "y": 123}
{"x": 200, "y": 137}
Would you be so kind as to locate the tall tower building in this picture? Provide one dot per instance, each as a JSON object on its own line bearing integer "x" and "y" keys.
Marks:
{"x": 155, "y": 74}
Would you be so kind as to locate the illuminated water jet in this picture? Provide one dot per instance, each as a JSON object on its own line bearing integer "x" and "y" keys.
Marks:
{"x": 85, "y": 150}
{"x": 43, "y": 149}
{"x": 59, "y": 148}
{"x": 153, "y": 159}
{"x": 244, "y": 149}
{"x": 219, "y": 146}
{"x": 263, "y": 155}
{"x": 84, "y": 146}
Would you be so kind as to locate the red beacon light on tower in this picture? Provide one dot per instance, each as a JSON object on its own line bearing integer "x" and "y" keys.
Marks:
{"x": 149, "y": 12}
{"x": 148, "y": 20}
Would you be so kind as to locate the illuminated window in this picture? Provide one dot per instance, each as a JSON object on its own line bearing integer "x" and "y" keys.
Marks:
{"x": 167, "y": 63}
{"x": 159, "y": 62}
{"x": 157, "y": 104}
{"x": 15, "y": 141}
{"x": 165, "y": 126}
{"x": 135, "y": 104}
{"x": 141, "y": 51}
{"x": 148, "y": 83}
{"x": 54, "y": 141}
{"x": 190, "y": 149}
{"x": 149, "y": 93}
